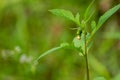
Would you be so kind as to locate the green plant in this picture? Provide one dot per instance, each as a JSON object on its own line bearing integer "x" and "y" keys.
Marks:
{"x": 83, "y": 41}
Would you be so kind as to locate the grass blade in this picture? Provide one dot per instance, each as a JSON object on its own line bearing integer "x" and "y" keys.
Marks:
{"x": 88, "y": 9}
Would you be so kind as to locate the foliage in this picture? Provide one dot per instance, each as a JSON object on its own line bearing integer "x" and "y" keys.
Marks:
{"x": 81, "y": 41}
{"x": 27, "y": 29}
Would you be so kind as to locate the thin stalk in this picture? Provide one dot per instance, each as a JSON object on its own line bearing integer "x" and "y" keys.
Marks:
{"x": 86, "y": 57}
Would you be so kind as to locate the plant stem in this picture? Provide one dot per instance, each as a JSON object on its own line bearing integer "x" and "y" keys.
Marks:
{"x": 86, "y": 57}
{"x": 87, "y": 67}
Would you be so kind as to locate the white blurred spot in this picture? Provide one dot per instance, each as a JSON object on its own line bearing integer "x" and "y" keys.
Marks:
{"x": 18, "y": 49}
{"x": 3, "y": 54}
{"x": 25, "y": 59}
{"x": 6, "y": 53}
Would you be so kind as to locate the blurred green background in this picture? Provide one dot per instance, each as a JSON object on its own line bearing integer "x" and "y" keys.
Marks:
{"x": 27, "y": 29}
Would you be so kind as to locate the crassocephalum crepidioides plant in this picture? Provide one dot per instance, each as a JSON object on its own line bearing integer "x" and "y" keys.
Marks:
{"x": 83, "y": 39}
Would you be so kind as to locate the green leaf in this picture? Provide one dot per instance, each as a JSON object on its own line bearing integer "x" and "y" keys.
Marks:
{"x": 52, "y": 50}
{"x": 81, "y": 54}
{"x": 99, "y": 78}
{"x": 64, "y": 44}
{"x": 77, "y": 19}
{"x": 48, "y": 52}
{"x": 106, "y": 15}
{"x": 83, "y": 23}
{"x": 93, "y": 25}
{"x": 78, "y": 42}
{"x": 63, "y": 13}
{"x": 87, "y": 36}
{"x": 90, "y": 44}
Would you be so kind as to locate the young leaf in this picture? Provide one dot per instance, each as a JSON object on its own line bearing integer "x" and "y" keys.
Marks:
{"x": 107, "y": 14}
{"x": 77, "y": 19}
{"x": 78, "y": 42}
{"x": 63, "y": 13}
{"x": 93, "y": 24}
{"x": 81, "y": 54}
